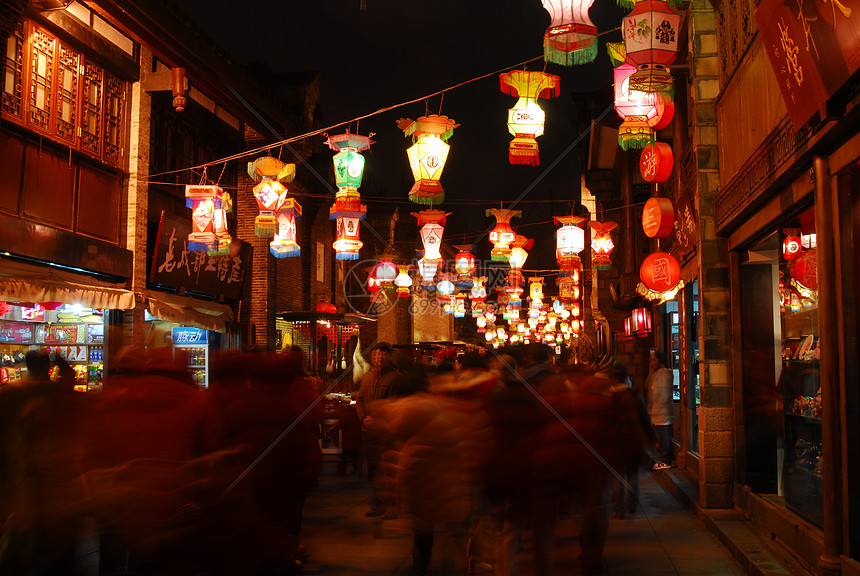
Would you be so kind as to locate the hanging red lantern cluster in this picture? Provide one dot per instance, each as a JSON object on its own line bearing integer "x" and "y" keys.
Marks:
{"x": 347, "y": 211}
{"x": 427, "y": 155}
{"x": 658, "y": 217}
{"x": 571, "y": 38}
{"x": 526, "y": 119}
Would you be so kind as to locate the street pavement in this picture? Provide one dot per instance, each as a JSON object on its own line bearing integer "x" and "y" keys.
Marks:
{"x": 661, "y": 538}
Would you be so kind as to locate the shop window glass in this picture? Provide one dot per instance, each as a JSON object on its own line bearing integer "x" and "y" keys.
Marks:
{"x": 781, "y": 388}
{"x": 693, "y": 395}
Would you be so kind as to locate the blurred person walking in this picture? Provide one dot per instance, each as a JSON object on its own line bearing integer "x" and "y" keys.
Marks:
{"x": 661, "y": 407}
{"x": 375, "y": 386}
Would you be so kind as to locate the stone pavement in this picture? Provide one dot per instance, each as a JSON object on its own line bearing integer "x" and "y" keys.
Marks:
{"x": 662, "y": 538}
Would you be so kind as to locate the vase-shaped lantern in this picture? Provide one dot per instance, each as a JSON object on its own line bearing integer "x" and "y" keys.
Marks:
{"x": 569, "y": 242}
{"x": 571, "y": 38}
{"x": 270, "y": 192}
{"x": 347, "y": 210}
{"x": 601, "y": 244}
{"x": 432, "y": 223}
{"x": 526, "y": 119}
{"x": 403, "y": 281}
{"x": 427, "y": 155}
{"x": 209, "y": 206}
{"x": 517, "y": 259}
{"x": 464, "y": 264}
{"x": 650, "y": 33}
{"x": 502, "y": 235}
{"x": 284, "y": 244}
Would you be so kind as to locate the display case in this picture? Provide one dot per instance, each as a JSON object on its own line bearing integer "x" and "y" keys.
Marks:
{"x": 195, "y": 343}
{"x": 801, "y": 394}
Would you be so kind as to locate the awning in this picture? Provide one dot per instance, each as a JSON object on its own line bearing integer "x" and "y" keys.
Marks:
{"x": 189, "y": 311}
{"x": 21, "y": 282}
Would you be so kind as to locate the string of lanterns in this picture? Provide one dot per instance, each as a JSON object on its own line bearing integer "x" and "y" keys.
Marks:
{"x": 643, "y": 99}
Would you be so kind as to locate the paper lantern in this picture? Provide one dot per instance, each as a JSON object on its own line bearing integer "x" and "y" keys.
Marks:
{"x": 519, "y": 252}
{"x": 569, "y": 242}
{"x": 464, "y": 261}
{"x": 460, "y": 305}
{"x": 650, "y": 33}
{"x": 502, "y": 235}
{"x": 601, "y": 244}
{"x": 432, "y": 223}
{"x": 660, "y": 272}
{"x": 347, "y": 210}
{"x": 270, "y": 193}
{"x": 209, "y": 206}
{"x": 639, "y": 323}
{"x": 637, "y": 109}
{"x": 403, "y": 281}
{"x": 478, "y": 291}
{"x": 427, "y": 155}
{"x": 445, "y": 286}
{"x": 526, "y": 119}
{"x": 427, "y": 269}
{"x": 284, "y": 244}
{"x": 656, "y": 162}
{"x": 804, "y": 269}
{"x": 571, "y": 38}
{"x": 658, "y": 217}
{"x": 791, "y": 247}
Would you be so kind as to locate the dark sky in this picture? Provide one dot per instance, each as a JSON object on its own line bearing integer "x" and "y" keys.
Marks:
{"x": 378, "y": 53}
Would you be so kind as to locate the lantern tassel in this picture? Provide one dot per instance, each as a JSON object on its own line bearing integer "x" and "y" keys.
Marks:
{"x": 570, "y": 57}
{"x": 523, "y": 157}
{"x": 346, "y": 256}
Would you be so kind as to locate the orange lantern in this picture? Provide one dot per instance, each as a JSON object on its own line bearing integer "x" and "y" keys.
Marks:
{"x": 526, "y": 119}
{"x": 660, "y": 272}
{"x": 464, "y": 261}
{"x": 656, "y": 162}
{"x": 502, "y": 236}
{"x": 658, "y": 217}
{"x": 427, "y": 155}
{"x": 571, "y": 38}
{"x": 602, "y": 244}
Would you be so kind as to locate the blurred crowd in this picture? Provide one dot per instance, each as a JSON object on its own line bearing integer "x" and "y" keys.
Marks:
{"x": 498, "y": 446}
{"x": 155, "y": 475}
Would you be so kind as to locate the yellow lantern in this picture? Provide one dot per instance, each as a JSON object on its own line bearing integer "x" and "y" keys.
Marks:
{"x": 403, "y": 281}
{"x": 269, "y": 192}
{"x": 526, "y": 119}
{"x": 427, "y": 155}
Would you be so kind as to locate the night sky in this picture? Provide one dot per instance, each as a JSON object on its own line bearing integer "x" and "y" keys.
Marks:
{"x": 372, "y": 54}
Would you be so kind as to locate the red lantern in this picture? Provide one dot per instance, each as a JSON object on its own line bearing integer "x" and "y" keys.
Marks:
{"x": 601, "y": 244}
{"x": 656, "y": 162}
{"x": 464, "y": 261}
{"x": 658, "y": 217}
{"x": 651, "y": 40}
{"x": 502, "y": 236}
{"x": 791, "y": 247}
{"x": 805, "y": 269}
{"x": 660, "y": 272}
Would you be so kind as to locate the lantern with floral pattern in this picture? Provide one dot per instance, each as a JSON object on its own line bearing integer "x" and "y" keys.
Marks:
{"x": 347, "y": 210}
{"x": 270, "y": 193}
{"x": 650, "y": 33}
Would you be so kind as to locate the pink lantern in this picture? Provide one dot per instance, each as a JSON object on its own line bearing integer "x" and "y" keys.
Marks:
{"x": 571, "y": 38}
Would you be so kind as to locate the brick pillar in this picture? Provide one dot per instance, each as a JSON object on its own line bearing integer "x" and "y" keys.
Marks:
{"x": 138, "y": 199}
{"x": 257, "y": 307}
{"x": 716, "y": 446}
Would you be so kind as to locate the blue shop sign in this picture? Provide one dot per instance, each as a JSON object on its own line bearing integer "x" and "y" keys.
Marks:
{"x": 189, "y": 335}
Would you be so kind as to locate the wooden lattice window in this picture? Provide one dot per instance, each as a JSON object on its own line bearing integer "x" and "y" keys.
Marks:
{"x": 50, "y": 87}
{"x": 42, "y": 48}
{"x": 735, "y": 30}
{"x": 91, "y": 130}
{"x": 114, "y": 108}
{"x": 67, "y": 93}
{"x": 13, "y": 73}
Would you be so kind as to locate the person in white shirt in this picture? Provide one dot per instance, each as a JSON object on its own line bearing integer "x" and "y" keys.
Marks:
{"x": 658, "y": 386}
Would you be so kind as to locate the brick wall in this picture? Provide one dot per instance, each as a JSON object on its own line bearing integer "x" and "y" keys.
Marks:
{"x": 716, "y": 444}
